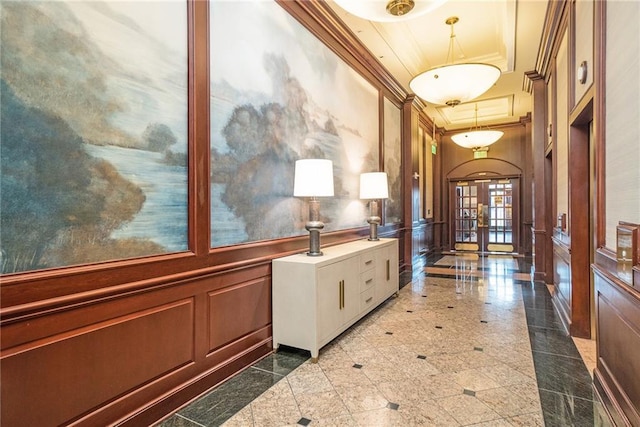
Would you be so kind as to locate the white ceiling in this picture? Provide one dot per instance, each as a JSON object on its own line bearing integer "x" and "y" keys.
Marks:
{"x": 505, "y": 33}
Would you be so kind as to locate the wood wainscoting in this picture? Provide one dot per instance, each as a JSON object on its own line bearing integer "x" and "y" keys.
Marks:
{"x": 617, "y": 372}
{"x": 562, "y": 294}
{"x": 136, "y": 354}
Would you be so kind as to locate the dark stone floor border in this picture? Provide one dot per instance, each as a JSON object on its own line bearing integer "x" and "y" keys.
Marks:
{"x": 564, "y": 383}
{"x": 227, "y": 399}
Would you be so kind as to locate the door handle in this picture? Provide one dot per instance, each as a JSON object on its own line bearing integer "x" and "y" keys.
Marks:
{"x": 483, "y": 215}
{"x": 388, "y": 269}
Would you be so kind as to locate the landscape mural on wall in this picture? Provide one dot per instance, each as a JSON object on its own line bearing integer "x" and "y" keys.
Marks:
{"x": 278, "y": 94}
{"x": 392, "y": 162}
{"x": 93, "y": 130}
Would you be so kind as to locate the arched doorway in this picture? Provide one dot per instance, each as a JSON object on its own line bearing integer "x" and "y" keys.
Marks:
{"x": 484, "y": 207}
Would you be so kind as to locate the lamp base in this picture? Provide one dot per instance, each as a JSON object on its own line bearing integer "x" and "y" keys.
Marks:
{"x": 314, "y": 226}
{"x": 373, "y": 221}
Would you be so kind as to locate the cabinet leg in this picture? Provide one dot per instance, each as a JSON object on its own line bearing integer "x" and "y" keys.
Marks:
{"x": 396, "y": 294}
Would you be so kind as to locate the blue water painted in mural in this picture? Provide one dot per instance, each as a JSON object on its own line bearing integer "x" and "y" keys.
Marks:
{"x": 94, "y": 132}
{"x": 163, "y": 217}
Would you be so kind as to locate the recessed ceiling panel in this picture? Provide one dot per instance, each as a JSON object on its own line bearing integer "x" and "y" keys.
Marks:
{"x": 489, "y": 111}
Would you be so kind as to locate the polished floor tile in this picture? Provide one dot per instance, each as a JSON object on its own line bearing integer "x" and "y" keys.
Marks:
{"x": 569, "y": 410}
{"x": 564, "y": 375}
{"x": 471, "y": 342}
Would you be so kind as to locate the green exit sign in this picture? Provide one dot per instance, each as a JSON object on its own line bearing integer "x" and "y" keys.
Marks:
{"x": 480, "y": 154}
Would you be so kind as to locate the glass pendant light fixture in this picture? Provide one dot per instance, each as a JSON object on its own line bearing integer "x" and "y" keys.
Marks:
{"x": 476, "y": 137}
{"x": 453, "y": 84}
{"x": 388, "y": 10}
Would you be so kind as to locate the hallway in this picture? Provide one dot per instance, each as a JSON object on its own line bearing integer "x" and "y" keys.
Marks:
{"x": 470, "y": 342}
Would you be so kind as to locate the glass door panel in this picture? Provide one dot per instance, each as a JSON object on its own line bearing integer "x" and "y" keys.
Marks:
{"x": 465, "y": 216}
{"x": 483, "y": 216}
{"x": 500, "y": 213}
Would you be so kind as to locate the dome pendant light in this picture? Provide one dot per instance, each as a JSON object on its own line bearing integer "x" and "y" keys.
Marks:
{"x": 477, "y": 138}
{"x": 388, "y": 10}
{"x": 454, "y": 84}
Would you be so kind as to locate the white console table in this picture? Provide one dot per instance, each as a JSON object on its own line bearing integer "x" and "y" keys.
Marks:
{"x": 315, "y": 299}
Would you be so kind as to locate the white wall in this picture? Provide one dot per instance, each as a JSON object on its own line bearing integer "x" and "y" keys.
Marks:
{"x": 622, "y": 158}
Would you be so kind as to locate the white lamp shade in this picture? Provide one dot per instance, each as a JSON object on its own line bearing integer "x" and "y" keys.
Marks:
{"x": 477, "y": 138}
{"x": 373, "y": 185}
{"x": 376, "y": 10}
{"x": 454, "y": 84}
{"x": 313, "y": 178}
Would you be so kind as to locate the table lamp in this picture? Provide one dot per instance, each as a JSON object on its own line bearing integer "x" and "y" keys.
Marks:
{"x": 374, "y": 186}
{"x": 313, "y": 178}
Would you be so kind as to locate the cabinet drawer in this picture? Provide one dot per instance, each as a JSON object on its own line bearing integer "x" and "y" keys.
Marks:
{"x": 367, "y": 261}
{"x": 367, "y": 280}
{"x": 367, "y": 299}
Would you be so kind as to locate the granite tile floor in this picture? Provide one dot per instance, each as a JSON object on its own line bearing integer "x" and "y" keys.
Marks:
{"x": 471, "y": 341}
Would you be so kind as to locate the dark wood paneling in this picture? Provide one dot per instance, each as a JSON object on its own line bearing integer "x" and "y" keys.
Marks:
{"x": 237, "y": 311}
{"x": 98, "y": 362}
{"x": 599, "y": 125}
{"x": 540, "y": 237}
{"x": 618, "y": 332}
{"x": 409, "y": 185}
{"x": 580, "y": 224}
{"x": 562, "y": 282}
{"x": 429, "y": 237}
{"x": 419, "y": 245}
{"x": 52, "y": 381}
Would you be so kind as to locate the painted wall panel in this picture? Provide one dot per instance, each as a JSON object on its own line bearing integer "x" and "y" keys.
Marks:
{"x": 622, "y": 104}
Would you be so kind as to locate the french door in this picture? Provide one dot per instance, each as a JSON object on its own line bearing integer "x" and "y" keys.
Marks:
{"x": 485, "y": 215}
